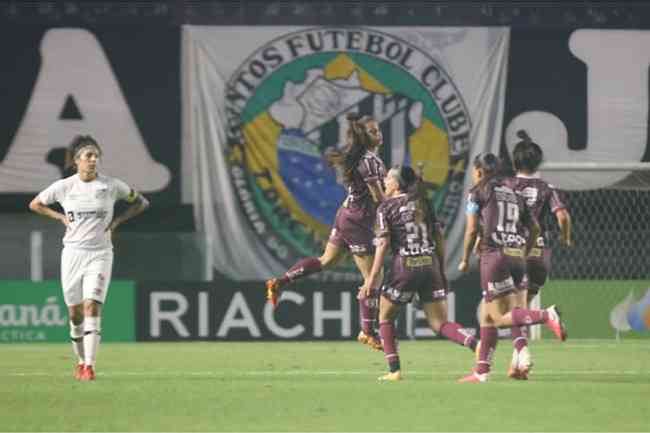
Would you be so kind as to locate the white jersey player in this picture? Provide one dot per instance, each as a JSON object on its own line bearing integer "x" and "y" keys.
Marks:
{"x": 87, "y": 199}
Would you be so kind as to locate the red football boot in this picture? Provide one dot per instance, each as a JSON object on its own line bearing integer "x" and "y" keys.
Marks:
{"x": 78, "y": 369}
{"x": 87, "y": 374}
{"x": 555, "y": 324}
{"x": 474, "y": 378}
{"x": 370, "y": 340}
{"x": 273, "y": 291}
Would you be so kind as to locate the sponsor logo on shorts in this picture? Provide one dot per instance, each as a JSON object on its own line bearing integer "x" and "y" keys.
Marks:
{"x": 441, "y": 293}
{"x": 358, "y": 249}
{"x": 398, "y": 295}
{"x": 496, "y": 287}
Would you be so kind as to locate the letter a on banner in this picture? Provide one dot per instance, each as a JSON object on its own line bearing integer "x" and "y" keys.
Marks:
{"x": 76, "y": 93}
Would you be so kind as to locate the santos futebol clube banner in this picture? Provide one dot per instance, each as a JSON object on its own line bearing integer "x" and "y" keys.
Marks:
{"x": 263, "y": 105}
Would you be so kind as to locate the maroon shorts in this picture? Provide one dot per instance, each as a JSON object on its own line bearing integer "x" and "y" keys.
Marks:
{"x": 353, "y": 229}
{"x": 411, "y": 275}
{"x": 538, "y": 265}
{"x": 501, "y": 273}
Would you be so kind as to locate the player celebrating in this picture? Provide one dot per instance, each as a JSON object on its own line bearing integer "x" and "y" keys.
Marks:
{"x": 508, "y": 233}
{"x": 363, "y": 173}
{"x": 542, "y": 199}
{"x": 87, "y": 199}
{"x": 407, "y": 227}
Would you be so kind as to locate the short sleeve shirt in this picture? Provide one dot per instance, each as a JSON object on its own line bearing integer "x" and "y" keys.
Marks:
{"x": 503, "y": 215}
{"x": 410, "y": 235}
{"x": 89, "y": 208}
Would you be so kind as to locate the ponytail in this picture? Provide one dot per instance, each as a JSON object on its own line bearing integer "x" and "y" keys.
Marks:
{"x": 527, "y": 155}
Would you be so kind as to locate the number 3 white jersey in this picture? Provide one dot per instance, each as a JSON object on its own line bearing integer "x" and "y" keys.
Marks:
{"x": 89, "y": 208}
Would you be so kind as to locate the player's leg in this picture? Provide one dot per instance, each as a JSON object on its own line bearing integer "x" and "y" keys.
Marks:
{"x": 489, "y": 338}
{"x": 436, "y": 313}
{"x": 387, "y": 312}
{"x": 524, "y": 317}
{"x": 537, "y": 268}
{"x": 71, "y": 277}
{"x": 368, "y": 305}
{"x": 92, "y": 337}
{"x": 520, "y": 353}
{"x": 303, "y": 268}
{"x": 75, "y": 312}
{"x": 96, "y": 281}
{"x": 434, "y": 305}
{"x": 516, "y": 316}
{"x": 496, "y": 283}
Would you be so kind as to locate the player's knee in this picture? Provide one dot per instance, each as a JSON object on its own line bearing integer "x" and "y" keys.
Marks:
{"x": 76, "y": 330}
{"x": 326, "y": 261}
{"x": 91, "y": 308}
{"x": 386, "y": 314}
{"x": 76, "y": 316}
{"x": 500, "y": 322}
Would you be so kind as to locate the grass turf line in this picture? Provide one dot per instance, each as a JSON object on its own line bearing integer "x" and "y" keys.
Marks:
{"x": 591, "y": 385}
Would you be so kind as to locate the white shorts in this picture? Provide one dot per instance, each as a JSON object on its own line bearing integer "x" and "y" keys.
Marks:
{"x": 85, "y": 274}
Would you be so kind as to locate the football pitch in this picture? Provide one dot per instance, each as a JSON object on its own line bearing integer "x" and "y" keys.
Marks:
{"x": 586, "y": 385}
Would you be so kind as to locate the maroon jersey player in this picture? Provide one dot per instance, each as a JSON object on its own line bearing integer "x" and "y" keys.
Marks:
{"x": 408, "y": 229}
{"x": 507, "y": 234}
{"x": 363, "y": 173}
{"x": 542, "y": 199}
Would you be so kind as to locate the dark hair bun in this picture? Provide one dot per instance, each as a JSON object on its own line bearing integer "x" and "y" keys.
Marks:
{"x": 524, "y": 135}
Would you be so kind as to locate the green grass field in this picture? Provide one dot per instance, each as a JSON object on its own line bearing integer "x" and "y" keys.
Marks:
{"x": 588, "y": 385}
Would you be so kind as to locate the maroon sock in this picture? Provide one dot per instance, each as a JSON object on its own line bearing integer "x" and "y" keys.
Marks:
{"x": 454, "y": 332}
{"x": 523, "y": 316}
{"x": 387, "y": 332}
{"x": 519, "y": 337}
{"x": 304, "y": 267}
{"x": 368, "y": 311}
{"x": 489, "y": 338}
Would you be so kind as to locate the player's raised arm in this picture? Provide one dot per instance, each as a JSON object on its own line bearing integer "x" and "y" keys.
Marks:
{"x": 564, "y": 221}
{"x": 471, "y": 232}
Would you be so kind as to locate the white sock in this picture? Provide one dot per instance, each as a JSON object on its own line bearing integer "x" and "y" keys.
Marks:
{"x": 92, "y": 331}
{"x": 77, "y": 340}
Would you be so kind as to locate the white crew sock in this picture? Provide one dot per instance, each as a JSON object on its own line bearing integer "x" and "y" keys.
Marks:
{"x": 92, "y": 331}
{"x": 77, "y": 340}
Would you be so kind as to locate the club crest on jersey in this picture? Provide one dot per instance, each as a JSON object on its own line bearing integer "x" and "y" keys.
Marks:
{"x": 287, "y": 105}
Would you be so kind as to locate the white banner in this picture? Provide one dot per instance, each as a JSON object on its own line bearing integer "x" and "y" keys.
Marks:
{"x": 262, "y": 105}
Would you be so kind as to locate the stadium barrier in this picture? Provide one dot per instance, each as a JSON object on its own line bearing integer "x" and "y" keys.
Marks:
{"x": 228, "y": 310}
{"x": 224, "y": 310}
{"x": 623, "y": 313}
{"x": 35, "y": 312}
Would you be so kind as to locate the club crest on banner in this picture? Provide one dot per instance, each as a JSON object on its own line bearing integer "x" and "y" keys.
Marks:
{"x": 286, "y": 108}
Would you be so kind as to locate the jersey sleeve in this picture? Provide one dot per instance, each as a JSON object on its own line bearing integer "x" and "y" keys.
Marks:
{"x": 473, "y": 203}
{"x": 53, "y": 193}
{"x": 124, "y": 191}
{"x": 556, "y": 201}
